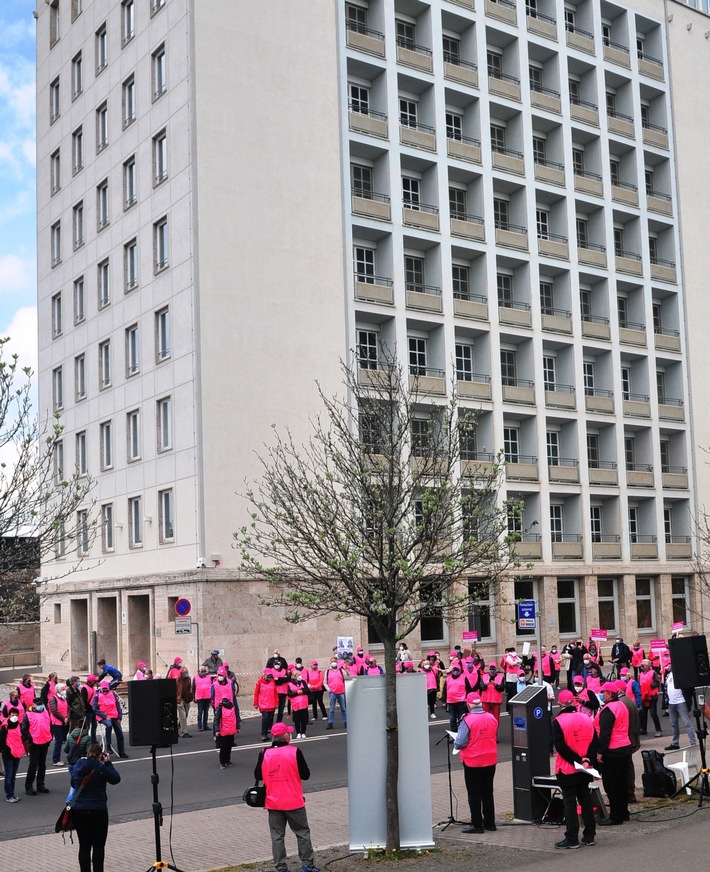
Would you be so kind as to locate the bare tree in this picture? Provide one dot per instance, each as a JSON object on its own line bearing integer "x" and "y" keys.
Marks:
{"x": 387, "y": 512}
{"x": 42, "y": 508}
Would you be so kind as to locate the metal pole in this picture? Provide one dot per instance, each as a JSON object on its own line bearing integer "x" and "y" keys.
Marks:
{"x": 538, "y": 641}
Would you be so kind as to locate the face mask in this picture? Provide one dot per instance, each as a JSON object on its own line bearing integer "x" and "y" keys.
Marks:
{"x": 455, "y": 673}
{"x": 39, "y": 708}
{"x": 13, "y": 719}
{"x": 427, "y": 667}
{"x": 222, "y": 679}
{"x": 587, "y": 662}
{"x": 333, "y": 665}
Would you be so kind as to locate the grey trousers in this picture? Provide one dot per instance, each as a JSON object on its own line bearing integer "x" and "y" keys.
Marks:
{"x": 298, "y": 821}
{"x": 680, "y": 710}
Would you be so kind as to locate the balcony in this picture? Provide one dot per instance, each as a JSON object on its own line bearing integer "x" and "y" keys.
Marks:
{"x": 370, "y": 204}
{"x": 580, "y": 39}
{"x": 556, "y": 320}
{"x": 418, "y": 57}
{"x": 563, "y": 469}
{"x": 599, "y": 400}
{"x": 508, "y": 160}
{"x": 460, "y": 71}
{"x": 639, "y": 475}
{"x": 512, "y": 236}
{"x": 425, "y": 298}
{"x": 631, "y": 333}
{"x": 365, "y": 39}
{"x": 559, "y": 396}
{"x": 418, "y": 135}
{"x": 549, "y": 171}
{"x": 625, "y": 192}
{"x": 591, "y": 253}
{"x": 520, "y": 390}
{"x": 468, "y": 226}
{"x": 606, "y": 546}
{"x": 521, "y": 467}
{"x": 657, "y": 201}
{"x": 567, "y": 546}
{"x": 663, "y": 270}
{"x": 553, "y": 245}
{"x": 475, "y": 386}
{"x": 372, "y": 123}
{"x": 545, "y": 98}
{"x": 595, "y": 327}
{"x": 464, "y": 148}
{"x": 544, "y": 25}
{"x": 644, "y": 548}
{"x": 675, "y": 477}
{"x": 426, "y": 381}
{"x": 637, "y": 405}
{"x": 582, "y": 110}
{"x": 651, "y": 67}
{"x": 529, "y": 547}
{"x": 628, "y": 262}
{"x": 503, "y": 85}
{"x": 679, "y": 548}
{"x": 421, "y": 215}
{"x": 471, "y": 306}
{"x": 504, "y": 10}
{"x": 665, "y": 339}
{"x": 654, "y": 134}
{"x": 514, "y": 313}
{"x": 467, "y": 4}
{"x": 477, "y": 464}
{"x": 603, "y": 472}
{"x": 587, "y": 182}
{"x": 617, "y": 54}
{"x": 373, "y": 289}
{"x": 374, "y": 378}
{"x": 670, "y": 409}
{"x": 622, "y": 125}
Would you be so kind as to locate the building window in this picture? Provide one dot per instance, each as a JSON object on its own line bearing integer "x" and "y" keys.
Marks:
{"x": 60, "y": 541}
{"x": 79, "y": 307}
{"x": 128, "y": 21}
{"x": 54, "y": 31}
{"x": 680, "y": 598}
{"x": 56, "y": 243}
{"x": 361, "y": 180}
{"x": 480, "y": 614}
{"x": 57, "y": 389}
{"x": 498, "y": 138}
{"x": 411, "y": 192}
{"x": 77, "y": 76}
{"x": 645, "y": 610}
{"x": 80, "y": 443}
{"x": 164, "y": 409}
{"x": 54, "y": 105}
{"x": 414, "y": 273}
{"x": 633, "y": 524}
{"x": 106, "y": 444}
{"x": 454, "y": 126}
{"x": 417, "y": 355}
{"x": 556, "y": 525}
{"x": 364, "y": 263}
{"x": 542, "y": 218}
{"x": 156, "y": 5}
{"x": 129, "y": 183}
{"x": 133, "y": 432}
{"x": 101, "y": 49}
{"x": 82, "y": 532}
{"x": 105, "y": 364}
{"x": 500, "y": 213}
{"x": 432, "y": 623}
{"x": 55, "y": 175}
{"x": 539, "y": 150}
{"x": 464, "y": 362}
{"x": 57, "y": 315}
{"x": 132, "y": 351}
{"x": 547, "y": 300}
{"x": 130, "y": 264}
{"x": 504, "y": 284}
{"x": 129, "y": 101}
{"x": 160, "y": 242}
{"x": 552, "y": 440}
{"x": 166, "y": 515}
{"x": 595, "y": 523}
{"x": 162, "y": 334}
{"x": 107, "y": 527}
{"x": 102, "y": 127}
{"x": 608, "y": 604}
{"x": 160, "y": 81}
{"x": 549, "y": 366}
{"x": 367, "y": 349}
{"x": 458, "y": 203}
{"x": 359, "y": 98}
{"x": 77, "y": 142}
{"x": 160, "y": 157}
{"x": 407, "y": 112}
{"x": 593, "y": 452}
{"x": 511, "y": 444}
{"x": 78, "y": 225}
{"x": 508, "y": 367}
{"x": 460, "y": 279}
{"x": 58, "y": 461}
{"x": 77, "y": 7}
{"x": 80, "y": 377}
{"x": 103, "y": 284}
{"x": 567, "y": 606}
{"x": 135, "y": 522}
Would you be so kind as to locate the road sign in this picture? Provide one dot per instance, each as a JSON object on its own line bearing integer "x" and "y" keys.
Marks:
{"x": 183, "y": 607}
{"x": 183, "y": 625}
{"x": 527, "y": 619}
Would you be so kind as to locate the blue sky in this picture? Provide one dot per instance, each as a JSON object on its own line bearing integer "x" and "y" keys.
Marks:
{"x": 17, "y": 178}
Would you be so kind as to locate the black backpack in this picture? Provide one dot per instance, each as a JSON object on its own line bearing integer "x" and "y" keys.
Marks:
{"x": 657, "y": 778}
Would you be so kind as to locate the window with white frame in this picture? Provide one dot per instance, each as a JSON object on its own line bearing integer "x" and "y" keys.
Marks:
{"x": 525, "y": 589}
{"x": 630, "y": 452}
{"x": 411, "y": 192}
{"x": 160, "y": 79}
{"x": 54, "y": 28}
{"x": 135, "y": 522}
{"x": 480, "y": 617}
{"x": 408, "y": 112}
{"x": 80, "y": 377}
{"x": 414, "y": 273}
{"x": 645, "y": 606}
{"x": 166, "y": 516}
{"x": 106, "y": 444}
{"x": 77, "y": 142}
{"x": 101, "y": 42}
{"x": 359, "y": 98}
{"x": 130, "y": 183}
{"x": 163, "y": 349}
{"x": 593, "y": 456}
{"x": 504, "y": 287}
{"x": 626, "y": 382}
{"x": 501, "y": 213}
{"x": 130, "y": 264}
{"x": 552, "y": 441}
{"x": 107, "y": 527}
{"x": 105, "y": 364}
{"x": 133, "y": 433}
{"x": 58, "y": 461}
{"x": 77, "y": 7}
{"x": 406, "y": 33}
{"x": 498, "y": 137}
{"x": 508, "y": 367}
{"x": 364, "y": 264}
{"x": 595, "y": 523}
{"x": 460, "y": 280}
{"x": 511, "y": 444}
{"x": 54, "y": 101}
{"x": 589, "y": 375}
{"x": 102, "y": 204}
{"x": 56, "y": 243}
{"x": 164, "y": 421}
{"x": 567, "y": 611}
{"x": 633, "y": 524}
{"x": 80, "y": 446}
{"x": 417, "y": 355}
{"x": 132, "y": 350}
{"x": 160, "y": 157}
{"x": 55, "y": 175}
{"x": 361, "y": 180}
{"x": 102, "y": 127}
{"x": 82, "y": 532}
{"x": 464, "y": 361}
{"x": 60, "y": 541}
{"x": 667, "y": 524}
{"x": 680, "y": 597}
{"x": 608, "y": 604}
{"x": 128, "y": 21}
{"x": 160, "y": 241}
{"x": 77, "y": 76}
{"x": 547, "y": 299}
{"x": 129, "y": 101}
{"x": 556, "y": 522}
{"x": 78, "y": 225}
{"x": 79, "y": 301}
{"x": 156, "y": 5}
{"x": 539, "y": 142}
{"x": 458, "y": 202}
{"x": 57, "y": 315}
{"x": 454, "y": 125}
{"x": 542, "y": 218}
{"x": 103, "y": 286}
{"x": 367, "y": 355}
{"x": 549, "y": 367}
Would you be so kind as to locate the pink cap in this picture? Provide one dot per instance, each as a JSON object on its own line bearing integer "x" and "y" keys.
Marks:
{"x": 141, "y": 665}
{"x": 314, "y": 662}
{"x": 105, "y": 683}
{"x": 177, "y": 660}
{"x": 578, "y": 679}
{"x": 280, "y": 729}
{"x": 473, "y": 698}
{"x": 566, "y": 697}
{"x": 221, "y": 671}
{"x": 624, "y": 670}
{"x": 609, "y": 687}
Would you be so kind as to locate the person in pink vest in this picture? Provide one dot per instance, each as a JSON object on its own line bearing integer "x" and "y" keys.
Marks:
{"x": 222, "y": 688}
{"x": 226, "y": 724}
{"x": 650, "y": 684}
{"x": 612, "y": 726}
{"x": 511, "y": 663}
{"x": 88, "y": 691}
{"x": 36, "y": 730}
{"x": 359, "y": 656}
{"x": 476, "y": 741}
{"x": 141, "y": 667}
{"x": 174, "y": 671}
{"x": 48, "y": 688}
{"x": 454, "y": 696}
{"x": 26, "y": 691}
{"x": 298, "y": 697}
{"x": 556, "y": 664}
{"x": 432, "y": 685}
{"x": 109, "y": 712}
{"x": 282, "y": 768}
{"x": 316, "y": 688}
{"x": 472, "y": 674}
{"x": 13, "y": 750}
{"x": 491, "y": 688}
{"x": 637, "y": 657}
{"x": 265, "y": 700}
{"x": 59, "y": 719}
{"x": 202, "y": 693}
{"x": 335, "y": 685}
{"x": 575, "y": 742}
{"x": 547, "y": 664}
{"x": 13, "y": 701}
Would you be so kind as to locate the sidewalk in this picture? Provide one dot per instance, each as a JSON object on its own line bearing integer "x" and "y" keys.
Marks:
{"x": 235, "y": 834}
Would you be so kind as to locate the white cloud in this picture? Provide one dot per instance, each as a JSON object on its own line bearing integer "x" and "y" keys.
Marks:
{"x": 17, "y": 274}
{"x": 22, "y": 331}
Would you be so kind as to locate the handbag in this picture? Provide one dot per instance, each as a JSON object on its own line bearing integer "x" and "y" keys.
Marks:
{"x": 65, "y": 821}
{"x": 255, "y": 796}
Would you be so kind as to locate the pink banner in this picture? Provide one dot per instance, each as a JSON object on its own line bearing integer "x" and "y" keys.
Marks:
{"x": 598, "y": 635}
{"x": 469, "y": 636}
{"x": 679, "y": 625}
{"x": 658, "y": 644}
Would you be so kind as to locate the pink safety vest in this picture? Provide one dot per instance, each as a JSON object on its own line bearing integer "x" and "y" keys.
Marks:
{"x": 62, "y": 708}
{"x": 492, "y": 690}
{"x": 40, "y": 729}
{"x": 227, "y": 721}
{"x": 27, "y": 694}
{"x": 280, "y": 674}
{"x": 314, "y": 677}
{"x": 455, "y": 688}
{"x": 335, "y": 681}
{"x": 90, "y": 691}
{"x": 646, "y": 679}
{"x": 203, "y": 686}
{"x": 481, "y": 749}
{"x": 432, "y": 682}
{"x": 222, "y": 691}
{"x": 139, "y": 676}
{"x": 266, "y": 697}
{"x": 578, "y": 732}
{"x": 6, "y": 706}
{"x": 300, "y": 701}
{"x": 14, "y": 741}
{"x": 283, "y": 783}
{"x": 637, "y": 655}
{"x": 108, "y": 704}
{"x": 620, "y": 730}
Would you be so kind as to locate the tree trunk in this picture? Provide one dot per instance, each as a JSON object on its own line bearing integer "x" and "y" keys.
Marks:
{"x": 392, "y": 727}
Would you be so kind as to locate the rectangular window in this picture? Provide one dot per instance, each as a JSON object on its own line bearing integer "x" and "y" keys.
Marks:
{"x": 680, "y": 598}
{"x": 417, "y": 355}
{"x": 106, "y": 444}
{"x": 133, "y": 433}
{"x": 665, "y": 450}
{"x": 77, "y": 76}
{"x": 367, "y": 349}
{"x": 539, "y": 150}
{"x": 633, "y": 524}
{"x": 60, "y": 541}
{"x": 129, "y": 101}
{"x": 130, "y": 264}
{"x": 625, "y": 383}
{"x": 421, "y": 437}
{"x": 57, "y": 389}
{"x": 582, "y": 227}
{"x": 101, "y": 48}
{"x": 132, "y": 351}
{"x": 589, "y": 372}
{"x": 464, "y": 362}
{"x": 128, "y": 21}
{"x": 361, "y": 180}
{"x": 511, "y": 444}
{"x": 54, "y": 30}
{"x": 542, "y": 218}
{"x": 103, "y": 284}
{"x": 549, "y": 366}
{"x": 102, "y": 127}
{"x": 500, "y": 213}
{"x": 135, "y": 522}
{"x": 364, "y": 263}
{"x": 407, "y": 112}
{"x": 82, "y": 532}
{"x": 107, "y": 527}
{"x": 480, "y": 616}
{"x": 77, "y": 142}
{"x": 58, "y": 461}
{"x": 614, "y": 171}
{"x": 457, "y": 203}
{"x": 414, "y": 273}
{"x": 406, "y": 33}
{"x": 79, "y": 302}
{"x": 645, "y": 610}
{"x": 595, "y": 523}
{"x": 578, "y": 161}
{"x": 498, "y": 138}
{"x": 55, "y": 176}
{"x": 102, "y": 204}
{"x": 156, "y": 5}
{"x": 166, "y": 516}
{"x": 160, "y": 157}
{"x": 164, "y": 413}
{"x": 80, "y": 443}
{"x": 160, "y": 240}
{"x": 504, "y": 284}
{"x": 508, "y": 367}
{"x": 667, "y": 525}
{"x": 57, "y": 325}
{"x": 129, "y": 183}
{"x": 105, "y": 364}
{"x": 162, "y": 334}
{"x": 460, "y": 280}
{"x": 410, "y": 192}
{"x": 54, "y": 104}
{"x": 622, "y": 311}
{"x": 56, "y": 243}
{"x": 593, "y": 450}
{"x": 547, "y": 301}
{"x": 567, "y": 606}
{"x": 451, "y": 49}
{"x": 552, "y": 438}
{"x": 160, "y": 81}
{"x": 359, "y": 98}
{"x": 77, "y": 7}
{"x": 78, "y": 225}
{"x": 454, "y": 126}
{"x": 495, "y": 63}
{"x": 80, "y": 377}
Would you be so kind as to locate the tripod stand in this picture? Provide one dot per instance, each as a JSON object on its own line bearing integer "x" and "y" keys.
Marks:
{"x": 451, "y": 819}
{"x": 157, "y": 818}
{"x": 703, "y": 772}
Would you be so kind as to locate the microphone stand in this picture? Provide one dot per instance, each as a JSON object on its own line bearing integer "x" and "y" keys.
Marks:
{"x": 445, "y": 824}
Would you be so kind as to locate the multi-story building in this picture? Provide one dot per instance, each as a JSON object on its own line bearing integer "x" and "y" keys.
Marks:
{"x": 234, "y": 197}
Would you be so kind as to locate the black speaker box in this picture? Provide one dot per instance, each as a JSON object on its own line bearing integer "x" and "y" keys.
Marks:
{"x": 152, "y": 712}
{"x": 689, "y": 660}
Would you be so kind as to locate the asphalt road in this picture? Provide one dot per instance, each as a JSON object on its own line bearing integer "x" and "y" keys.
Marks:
{"x": 190, "y": 777}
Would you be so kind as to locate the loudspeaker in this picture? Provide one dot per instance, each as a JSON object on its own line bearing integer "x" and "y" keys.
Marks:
{"x": 152, "y": 712}
{"x": 689, "y": 660}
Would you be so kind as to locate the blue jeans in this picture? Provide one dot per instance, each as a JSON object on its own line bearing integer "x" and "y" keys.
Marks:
{"x": 59, "y": 735}
{"x": 203, "y": 713}
{"x": 340, "y": 699}
{"x": 11, "y": 765}
{"x": 116, "y": 725}
{"x": 674, "y": 710}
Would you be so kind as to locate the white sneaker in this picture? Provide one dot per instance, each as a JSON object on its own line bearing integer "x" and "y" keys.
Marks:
{"x": 432, "y": 717}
